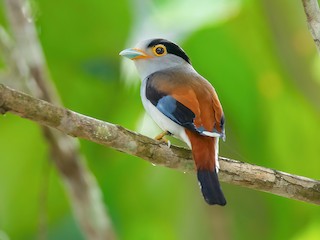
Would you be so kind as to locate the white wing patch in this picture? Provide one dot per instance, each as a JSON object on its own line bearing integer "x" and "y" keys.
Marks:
{"x": 217, "y": 155}
{"x": 211, "y": 134}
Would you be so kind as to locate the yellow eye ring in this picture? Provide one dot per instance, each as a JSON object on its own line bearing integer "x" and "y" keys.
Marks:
{"x": 159, "y": 50}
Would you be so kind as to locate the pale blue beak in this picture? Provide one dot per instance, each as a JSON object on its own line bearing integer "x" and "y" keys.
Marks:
{"x": 133, "y": 54}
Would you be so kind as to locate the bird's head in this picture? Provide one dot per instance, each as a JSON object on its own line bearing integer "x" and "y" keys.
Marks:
{"x": 155, "y": 55}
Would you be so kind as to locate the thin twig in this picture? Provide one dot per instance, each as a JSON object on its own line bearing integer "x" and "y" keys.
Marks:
{"x": 311, "y": 8}
{"x": 114, "y": 136}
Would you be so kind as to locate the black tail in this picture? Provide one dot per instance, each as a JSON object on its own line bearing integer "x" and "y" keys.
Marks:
{"x": 210, "y": 187}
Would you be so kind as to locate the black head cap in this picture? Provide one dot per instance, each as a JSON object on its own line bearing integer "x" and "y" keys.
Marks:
{"x": 171, "y": 48}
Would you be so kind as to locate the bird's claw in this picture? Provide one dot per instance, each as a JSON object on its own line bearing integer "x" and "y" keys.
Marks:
{"x": 161, "y": 138}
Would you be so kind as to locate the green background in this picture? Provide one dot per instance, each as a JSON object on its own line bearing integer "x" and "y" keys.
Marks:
{"x": 262, "y": 61}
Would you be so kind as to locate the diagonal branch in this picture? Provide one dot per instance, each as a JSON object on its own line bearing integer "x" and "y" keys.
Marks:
{"x": 311, "y": 8}
{"x": 26, "y": 57}
{"x": 114, "y": 136}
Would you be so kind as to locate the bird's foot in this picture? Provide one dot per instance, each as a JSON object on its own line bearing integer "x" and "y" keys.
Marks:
{"x": 161, "y": 138}
{"x": 161, "y": 135}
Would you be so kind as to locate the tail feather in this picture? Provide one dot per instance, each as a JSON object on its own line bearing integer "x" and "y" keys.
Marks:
{"x": 210, "y": 187}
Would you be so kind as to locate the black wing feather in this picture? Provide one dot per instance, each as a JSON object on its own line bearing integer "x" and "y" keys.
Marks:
{"x": 170, "y": 107}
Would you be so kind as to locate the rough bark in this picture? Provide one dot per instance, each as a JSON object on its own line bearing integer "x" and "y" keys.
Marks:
{"x": 311, "y": 8}
{"x": 119, "y": 138}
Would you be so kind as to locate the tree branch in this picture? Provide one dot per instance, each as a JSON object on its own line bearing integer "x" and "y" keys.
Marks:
{"x": 27, "y": 59}
{"x": 311, "y": 8}
{"x": 117, "y": 137}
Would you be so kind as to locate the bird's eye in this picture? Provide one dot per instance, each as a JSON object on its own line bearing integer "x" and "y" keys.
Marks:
{"x": 159, "y": 50}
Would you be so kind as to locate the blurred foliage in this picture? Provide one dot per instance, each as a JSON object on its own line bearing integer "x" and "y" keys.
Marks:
{"x": 261, "y": 60}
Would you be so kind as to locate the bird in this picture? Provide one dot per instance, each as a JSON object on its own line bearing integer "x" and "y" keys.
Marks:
{"x": 183, "y": 104}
